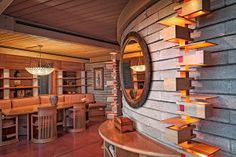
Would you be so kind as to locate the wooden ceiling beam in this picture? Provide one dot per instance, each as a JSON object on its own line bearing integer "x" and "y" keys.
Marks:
{"x": 4, "y": 4}
{"x": 18, "y": 25}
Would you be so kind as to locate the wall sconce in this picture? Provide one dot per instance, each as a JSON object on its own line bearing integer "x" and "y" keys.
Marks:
{"x": 193, "y": 8}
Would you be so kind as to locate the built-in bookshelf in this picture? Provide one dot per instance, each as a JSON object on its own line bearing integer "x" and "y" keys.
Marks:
{"x": 17, "y": 83}
{"x": 72, "y": 82}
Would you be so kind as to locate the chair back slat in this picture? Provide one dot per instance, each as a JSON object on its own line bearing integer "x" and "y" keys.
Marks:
{"x": 47, "y": 130}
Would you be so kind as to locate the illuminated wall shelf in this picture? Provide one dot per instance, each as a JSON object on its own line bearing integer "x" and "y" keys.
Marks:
{"x": 197, "y": 97}
{"x": 180, "y": 122}
{"x": 195, "y": 109}
{"x": 176, "y": 34}
{"x": 179, "y": 135}
{"x": 179, "y": 28}
{"x": 176, "y": 84}
{"x": 193, "y": 8}
{"x": 176, "y": 20}
{"x": 199, "y": 148}
{"x": 197, "y": 45}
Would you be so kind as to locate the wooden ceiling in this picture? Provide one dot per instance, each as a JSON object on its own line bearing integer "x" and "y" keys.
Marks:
{"x": 16, "y": 40}
{"x": 93, "y": 18}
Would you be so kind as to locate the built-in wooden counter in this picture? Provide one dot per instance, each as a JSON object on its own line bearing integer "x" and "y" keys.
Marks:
{"x": 131, "y": 144}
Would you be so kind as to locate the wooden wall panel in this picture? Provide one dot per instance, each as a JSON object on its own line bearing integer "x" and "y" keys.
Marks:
{"x": 217, "y": 79}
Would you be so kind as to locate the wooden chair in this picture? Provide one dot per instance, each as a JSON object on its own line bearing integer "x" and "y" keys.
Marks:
{"x": 44, "y": 125}
{"x": 8, "y": 129}
{"x": 77, "y": 115}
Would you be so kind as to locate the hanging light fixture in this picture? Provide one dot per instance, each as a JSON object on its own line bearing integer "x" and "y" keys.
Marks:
{"x": 140, "y": 67}
{"x": 40, "y": 70}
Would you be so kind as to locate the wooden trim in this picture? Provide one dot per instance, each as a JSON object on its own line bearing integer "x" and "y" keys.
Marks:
{"x": 33, "y": 54}
{"x": 148, "y": 74}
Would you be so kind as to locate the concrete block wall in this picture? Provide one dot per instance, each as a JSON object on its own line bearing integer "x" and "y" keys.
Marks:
{"x": 218, "y": 78}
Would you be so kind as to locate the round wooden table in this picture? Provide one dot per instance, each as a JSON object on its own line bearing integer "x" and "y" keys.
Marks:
{"x": 131, "y": 144}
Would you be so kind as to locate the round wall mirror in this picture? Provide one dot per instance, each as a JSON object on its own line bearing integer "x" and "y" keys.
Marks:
{"x": 135, "y": 70}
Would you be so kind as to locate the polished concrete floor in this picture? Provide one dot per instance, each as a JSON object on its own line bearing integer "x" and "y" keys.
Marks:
{"x": 84, "y": 144}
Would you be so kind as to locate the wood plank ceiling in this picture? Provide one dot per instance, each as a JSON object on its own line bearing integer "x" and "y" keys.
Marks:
{"x": 92, "y": 18}
{"x": 28, "y": 42}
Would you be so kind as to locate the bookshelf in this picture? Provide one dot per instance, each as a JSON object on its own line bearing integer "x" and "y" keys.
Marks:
{"x": 17, "y": 83}
{"x": 72, "y": 82}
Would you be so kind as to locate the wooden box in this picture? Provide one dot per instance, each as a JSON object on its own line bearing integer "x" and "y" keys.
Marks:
{"x": 177, "y": 84}
{"x": 198, "y": 58}
{"x": 176, "y": 34}
{"x": 196, "y": 109}
{"x": 123, "y": 124}
{"x": 179, "y": 135}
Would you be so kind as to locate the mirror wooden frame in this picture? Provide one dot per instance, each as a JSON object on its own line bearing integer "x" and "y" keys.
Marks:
{"x": 148, "y": 74}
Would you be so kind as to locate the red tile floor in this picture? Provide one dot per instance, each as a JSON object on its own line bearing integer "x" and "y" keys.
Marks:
{"x": 84, "y": 144}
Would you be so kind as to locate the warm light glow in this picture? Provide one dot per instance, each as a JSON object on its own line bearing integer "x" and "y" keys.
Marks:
{"x": 196, "y": 14}
{"x": 178, "y": 40}
{"x": 40, "y": 71}
{"x": 197, "y": 45}
{"x": 179, "y": 21}
{"x": 138, "y": 68}
{"x": 194, "y": 8}
{"x": 200, "y": 149}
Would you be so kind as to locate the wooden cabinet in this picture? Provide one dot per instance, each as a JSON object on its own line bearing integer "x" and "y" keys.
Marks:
{"x": 8, "y": 129}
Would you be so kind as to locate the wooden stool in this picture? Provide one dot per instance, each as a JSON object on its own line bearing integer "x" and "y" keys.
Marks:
{"x": 77, "y": 115}
{"x": 8, "y": 129}
{"x": 44, "y": 125}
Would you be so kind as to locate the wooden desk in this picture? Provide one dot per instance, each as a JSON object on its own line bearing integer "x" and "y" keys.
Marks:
{"x": 132, "y": 144}
{"x": 27, "y": 110}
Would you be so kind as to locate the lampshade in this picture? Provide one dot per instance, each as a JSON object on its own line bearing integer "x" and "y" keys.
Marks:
{"x": 138, "y": 68}
{"x": 39, "y": 70}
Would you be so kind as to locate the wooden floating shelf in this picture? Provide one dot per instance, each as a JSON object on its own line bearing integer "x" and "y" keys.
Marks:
{"x": 71, "y": 86}
{"x": 179, "y": 122}
{"x": 197, "y": 45}
{"x": 198, "y": 97}
{"x": 73, "y": 78}
{"x": 176, "y": 34}
{"x": 176, "y": 20}
{"x": 199, "y": 148}
{"x": 176, "y": 84}
{"x": 21, "y": 78}
{"x": 195, "y": 109}
{"x": 18, "y": 78}
{"x": 179, "y": 135}
{"x": 193, "y": 8}
{"x": 189, "y": 70}
{"x": 21, "y": 87}
{"x": 198, "y": 58}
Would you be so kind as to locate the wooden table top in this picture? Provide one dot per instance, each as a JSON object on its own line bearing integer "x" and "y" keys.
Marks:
{"x": 134, "y": 142}
{"x": 32, "y": 109}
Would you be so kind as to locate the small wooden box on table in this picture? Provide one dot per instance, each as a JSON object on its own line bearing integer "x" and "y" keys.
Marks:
{"x": 123, "y": 124}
